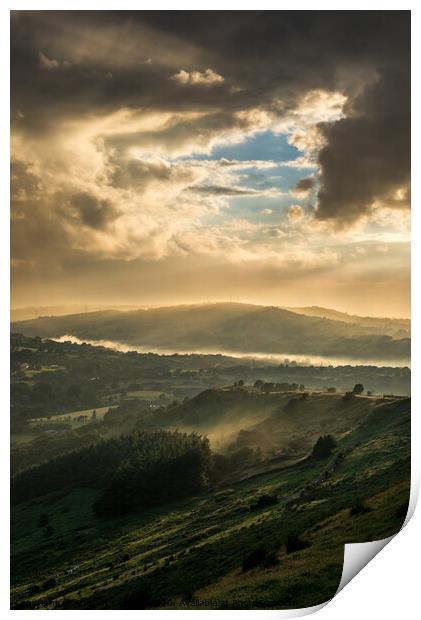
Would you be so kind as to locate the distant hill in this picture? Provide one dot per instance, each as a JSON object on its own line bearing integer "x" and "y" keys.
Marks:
{"x": 394, "y": 327}
{"x": 33, "y": 312}
{"x": 227, "y": 327}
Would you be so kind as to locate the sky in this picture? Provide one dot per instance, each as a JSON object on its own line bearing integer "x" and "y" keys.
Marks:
{"x": 189, "y": 157}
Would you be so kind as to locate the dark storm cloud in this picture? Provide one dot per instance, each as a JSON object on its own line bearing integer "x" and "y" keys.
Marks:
{"x": 93, "y": 212}
{"x": 367, "y": 155}
{"x": 73, "y": 64}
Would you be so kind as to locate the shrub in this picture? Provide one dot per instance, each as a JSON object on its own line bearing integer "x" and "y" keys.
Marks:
{"x": 358, "y": 508}
{"x": 259, "y": 557}
{"x": 295, "y": 542}
{"x": 323, "y": 446}
{"x": 49, "y": 583}
{"x": 402, "y": 510}
{"x": 264, "y": 501}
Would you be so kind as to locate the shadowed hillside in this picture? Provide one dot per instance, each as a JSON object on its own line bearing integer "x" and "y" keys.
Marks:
{"x": 241, "y": 328}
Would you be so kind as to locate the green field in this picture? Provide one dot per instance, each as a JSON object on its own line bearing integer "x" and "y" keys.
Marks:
{"x": 146, "y": 394}
{"x": 189, "y": 555}
{"x": 73, "y": 416}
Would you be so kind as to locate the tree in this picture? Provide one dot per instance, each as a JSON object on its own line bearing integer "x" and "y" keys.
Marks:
{"x": 241, "y": 383}
{"x": 358, "y": 388}
{"x": 323, "y": 446}
{"x": 94, "y": 415}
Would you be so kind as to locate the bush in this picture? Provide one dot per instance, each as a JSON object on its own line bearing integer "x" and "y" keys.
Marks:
{"x": 263, "y": 501}
{"x": 358, "y": 508}
{"x": 323, "y": 447}
{"x": 402, "y": 510}
{"x": 260, "y": 557}
{"x": 49, "y": 583}
{"x": 295, "y": 542}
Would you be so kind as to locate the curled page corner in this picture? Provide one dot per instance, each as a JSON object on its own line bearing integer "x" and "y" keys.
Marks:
{"x": 358, "y": 555}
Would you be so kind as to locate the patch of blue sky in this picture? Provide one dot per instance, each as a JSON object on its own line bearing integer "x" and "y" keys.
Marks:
{"x": 263, "y": 146}
{"x": 280, "y": 178}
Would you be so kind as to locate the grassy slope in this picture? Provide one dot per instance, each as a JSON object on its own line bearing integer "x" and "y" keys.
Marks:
{"x": 229, "y": 327}
{"x": 181, "y": 554}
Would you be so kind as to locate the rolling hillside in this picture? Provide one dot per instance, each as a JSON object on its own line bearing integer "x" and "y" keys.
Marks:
{"x": 269, "y": 534}
{"x": 400, "y": 328}
{"x": 240, "y": 328}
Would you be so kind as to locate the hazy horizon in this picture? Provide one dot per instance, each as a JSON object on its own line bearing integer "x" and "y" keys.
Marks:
{"x": 127, "y": 306}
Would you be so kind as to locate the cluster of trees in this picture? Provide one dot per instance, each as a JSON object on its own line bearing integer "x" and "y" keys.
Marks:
{"x": 45, "y": 398}
{"x": 133, "y": 472}
{"x": 269, "y": 386}
{"x": 167, "y": 466}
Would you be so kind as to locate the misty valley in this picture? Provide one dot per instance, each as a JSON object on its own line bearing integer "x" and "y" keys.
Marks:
{"x": 185, "y": 481}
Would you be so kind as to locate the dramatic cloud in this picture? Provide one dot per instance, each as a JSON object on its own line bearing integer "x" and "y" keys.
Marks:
{"x": 159, "y": 136}
{"x": 366, "y": 159}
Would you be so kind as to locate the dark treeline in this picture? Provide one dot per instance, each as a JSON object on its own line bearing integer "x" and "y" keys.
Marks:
{"x": 134, "y": 471}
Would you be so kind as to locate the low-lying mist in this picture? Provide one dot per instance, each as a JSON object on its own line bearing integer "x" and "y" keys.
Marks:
{"x": 280, "y": 358}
